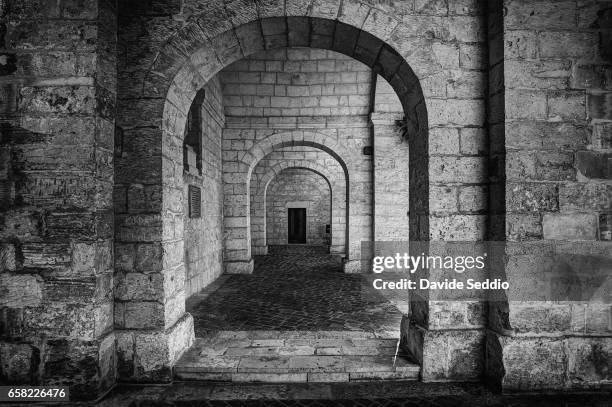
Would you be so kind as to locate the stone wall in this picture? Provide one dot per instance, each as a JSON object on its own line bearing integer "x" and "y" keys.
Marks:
{"x": 298, "y": 188}
{"x": 391, "y": 166}
{"x": 57, "y": 112}
{"x": 204, "y": 235}
{"x": 552, "y": 67}
{"x": 313, "y": 159}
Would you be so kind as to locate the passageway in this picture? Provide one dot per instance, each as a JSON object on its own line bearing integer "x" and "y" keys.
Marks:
{"x": 294, "y": 288}
{"x": 297, "y": 318}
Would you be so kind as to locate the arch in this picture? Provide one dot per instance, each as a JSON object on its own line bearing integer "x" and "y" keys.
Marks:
{"x": 210, "y": 36}
{"x": 331, "y": 145}
{"x": 237, "y": 219}
{"x": 322, "y": 184}
{"x": 339, "y": 198}
{"x": 208, "y": 42}
{"x": 237, "y": 222}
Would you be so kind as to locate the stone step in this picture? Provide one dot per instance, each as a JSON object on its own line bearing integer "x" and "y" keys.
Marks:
{"x": 288, "y": 357}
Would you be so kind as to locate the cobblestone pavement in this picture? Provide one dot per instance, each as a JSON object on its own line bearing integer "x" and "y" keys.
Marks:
{"x": 297, "y": 288}
{"x": 398, "y": 393}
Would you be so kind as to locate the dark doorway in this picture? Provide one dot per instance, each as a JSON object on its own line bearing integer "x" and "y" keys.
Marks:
{"x": 297, "y": 225}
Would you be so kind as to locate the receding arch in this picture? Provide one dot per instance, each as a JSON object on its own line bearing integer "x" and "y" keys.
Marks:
{"x": 331, "y": 145}
{"x": 319, "y": 201}
{"x": 249, "y": 160}
{"x": 339, "y": 199}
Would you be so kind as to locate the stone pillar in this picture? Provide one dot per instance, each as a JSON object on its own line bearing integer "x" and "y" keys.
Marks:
{"x": 552, "y": 332}
{"x": 391, "y": 178}
{"x": 151, "y": 326}
{"x": 56, "y": 259}
{"x": 236, "y": 218}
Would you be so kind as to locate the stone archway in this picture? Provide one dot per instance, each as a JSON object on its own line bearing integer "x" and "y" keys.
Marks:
{"x": 339, "y": 213}
{"x": 237, "y": 225}
{"x": 312, "y": 193}
{"x": 206, "y": 42}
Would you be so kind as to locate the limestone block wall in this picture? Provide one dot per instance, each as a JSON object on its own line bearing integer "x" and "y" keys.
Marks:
{"x": 322, "y": 94}
{"x": 552, "y": 121}
{"x": 57, "y": 109}
{"x": 313, "y": 159}
{"x": 299, "y": 188}
{"x": 450, "y": 61}
{"x": 151, "y": 326}
{"x": 391, "y": 166}
{"x": 204, "y": 236}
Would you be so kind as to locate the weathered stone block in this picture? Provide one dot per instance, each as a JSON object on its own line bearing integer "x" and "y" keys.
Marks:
{"x": 520, "y": 44}
{"x": 578, "y": 226}
{"x": 458, "y": 228}
{"x": 20, "y": 290}
{"x": 466, "y": 7}
{"x": 591, "y": 318}
{"x": 602, "y": 135}
{"x": 472, "y": 56}
{"x": 473, "y": 199}
{"x": 456, "y": 112}
{"x": 239, "y": 267}
{"x": 444, "y": 141}
{"x": 473, "y": 141}
{"x": 531, "y": 364}
{"x": 452, "y": 355}
{"x": 585, "y": 197}
{"x": 464, "y": 84}
{"x": 591, "y": 76}
{"x": 539, "y": 317}
{"x": 525, "y": 104}
{"x": 531, "y": 135}
{"x": 443, "y": 199}
{"x": 87, "y": 367}
{"x": 18, "y": 363}
{"x": 531, "y": 197}
{"x": 555, "y": 166}
{"x": 524, "y": 227}
{"x": 149, "y": 357}
{"x": 139, "y": 315}
{"x": 566, "y": 45}
{"x": 540, "y": 14}
{"x": 74, "y": 99}
{"x": 589, "y": 362}
{"x": 540, "y": 75}
{"x": 76, "y": 320}
{"x": 80, "y": 9}
{"x": 8, "y": 260}
{"x": 599, "y": 105}
{"x": 594, "y": 165}
{"x": 458, "y": 169}
{"x": 50, "y": 35}
{"x": 567, "y": 106}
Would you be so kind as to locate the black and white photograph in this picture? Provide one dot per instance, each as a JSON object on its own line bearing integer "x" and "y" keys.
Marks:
{"x": 306, "y": 203}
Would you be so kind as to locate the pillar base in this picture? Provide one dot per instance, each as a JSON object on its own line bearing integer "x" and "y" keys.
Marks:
{"x": 352, "y": 266}
{"x": 445, "y": 355}
{"x": 548, "y": 363}
{"x": 259, "y": 250}
{"x": 148, "y": 356}
{"x": 239, "y": 267}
